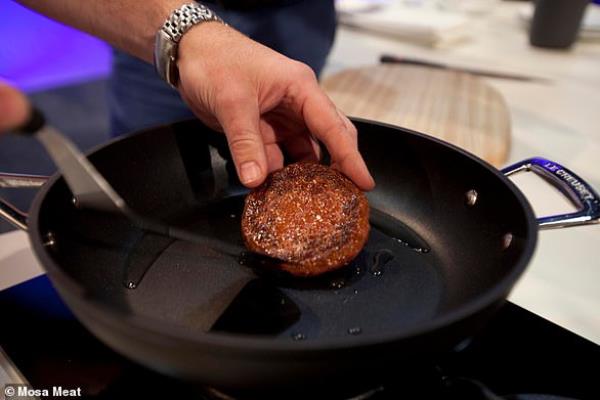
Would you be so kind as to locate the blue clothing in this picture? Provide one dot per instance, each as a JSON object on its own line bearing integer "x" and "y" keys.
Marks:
{"x": 302, "y": 30}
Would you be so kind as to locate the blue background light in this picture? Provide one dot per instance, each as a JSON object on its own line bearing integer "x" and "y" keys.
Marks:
{"x": 37, "y": 53}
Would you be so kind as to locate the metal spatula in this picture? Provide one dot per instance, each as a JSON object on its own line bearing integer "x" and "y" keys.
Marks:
{"x": 92, "y": 191}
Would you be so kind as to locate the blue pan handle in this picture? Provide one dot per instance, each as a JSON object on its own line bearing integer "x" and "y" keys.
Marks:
{"x": 578, "y": 191}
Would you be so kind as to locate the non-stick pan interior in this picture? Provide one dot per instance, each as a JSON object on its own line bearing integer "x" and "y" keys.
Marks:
{"x": 430, "y": 249}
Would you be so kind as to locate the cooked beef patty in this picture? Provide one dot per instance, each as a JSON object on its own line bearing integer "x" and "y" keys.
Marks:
{"x": 309, "y": 216}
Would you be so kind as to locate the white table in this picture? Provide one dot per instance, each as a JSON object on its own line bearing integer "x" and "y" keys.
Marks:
{"x": 559, "y": 121}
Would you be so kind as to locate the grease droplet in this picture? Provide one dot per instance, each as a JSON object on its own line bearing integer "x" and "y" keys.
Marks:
{"x": 49, "y": 239}
{"x": 131, "y": 285}
{"x": 355, "y": 330}
{"x": 380, "y": 259}
{"x": 298, "y": 336}
{"x": 421, "y": 250}
{"x": 337, "y": 284}
{"x": 355, "y": 291}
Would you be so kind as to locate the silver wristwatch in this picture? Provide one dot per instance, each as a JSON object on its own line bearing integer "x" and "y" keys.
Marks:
{"x": 168, "y": 37}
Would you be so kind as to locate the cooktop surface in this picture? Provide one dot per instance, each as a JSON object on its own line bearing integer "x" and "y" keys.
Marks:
{"x": 518, "y": 356}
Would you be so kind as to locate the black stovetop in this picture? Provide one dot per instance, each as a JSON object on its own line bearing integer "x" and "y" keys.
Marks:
{"x": 518, "y": 356}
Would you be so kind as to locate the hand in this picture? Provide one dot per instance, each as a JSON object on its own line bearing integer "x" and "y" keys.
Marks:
{"x": 266, "y": 104}
{"x": 14, "y": 108}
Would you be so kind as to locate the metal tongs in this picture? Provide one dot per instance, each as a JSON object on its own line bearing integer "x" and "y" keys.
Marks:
{"x": 92, "y": 191}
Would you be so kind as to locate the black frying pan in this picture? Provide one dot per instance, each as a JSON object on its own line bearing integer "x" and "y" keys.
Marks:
{"x": 450, "y": 237}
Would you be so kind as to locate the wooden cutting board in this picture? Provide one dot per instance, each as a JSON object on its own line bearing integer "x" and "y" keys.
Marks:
{"x": 456, "y": 107}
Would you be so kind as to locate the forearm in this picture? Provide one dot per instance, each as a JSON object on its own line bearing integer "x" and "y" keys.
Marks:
{"x": 127, "y": 24}
{"x": 266, "y": 103}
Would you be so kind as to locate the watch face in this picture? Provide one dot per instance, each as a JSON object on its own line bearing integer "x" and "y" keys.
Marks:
{"x": 165, "y": 55}
{"x": 172, "y": 76}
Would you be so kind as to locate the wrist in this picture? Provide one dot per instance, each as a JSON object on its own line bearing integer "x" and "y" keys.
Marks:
{"x": 202, "y": 40}
{"x": 167, "y": 42}
{"x": 157, "y": 13}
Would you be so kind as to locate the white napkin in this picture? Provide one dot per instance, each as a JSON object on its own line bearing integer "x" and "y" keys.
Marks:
{"x": 423, "y": 25}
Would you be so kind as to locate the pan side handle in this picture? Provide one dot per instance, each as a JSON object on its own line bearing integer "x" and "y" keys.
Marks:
{"x": 578, "y": 191}
{"x": 9, "y": 212}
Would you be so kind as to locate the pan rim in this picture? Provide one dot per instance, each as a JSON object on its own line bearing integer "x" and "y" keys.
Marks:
{"x": 266, "y": 346}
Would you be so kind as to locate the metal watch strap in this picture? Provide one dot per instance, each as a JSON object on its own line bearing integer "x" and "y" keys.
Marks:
{"x": 168, "y": 37}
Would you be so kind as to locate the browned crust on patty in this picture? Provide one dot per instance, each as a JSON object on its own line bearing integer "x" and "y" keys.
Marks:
{"x": 308, "y": 215}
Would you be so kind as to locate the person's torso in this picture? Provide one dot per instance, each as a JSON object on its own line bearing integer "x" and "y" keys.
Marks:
{"x": 249, "y": 4}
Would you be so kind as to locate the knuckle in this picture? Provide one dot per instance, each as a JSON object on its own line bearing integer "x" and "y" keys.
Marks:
{"x": 229, "y": 96}
{"x": 305, "y": 72}
{"x": 242, "y": 140}
{"x": 352, "y": 130}
{"x": 337, "y": 127}
{"x": 344, "y": 157}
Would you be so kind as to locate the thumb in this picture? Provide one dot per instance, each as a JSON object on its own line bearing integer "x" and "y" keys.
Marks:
{"x": 14, "y": 107}
{"x": 239, "y": 118}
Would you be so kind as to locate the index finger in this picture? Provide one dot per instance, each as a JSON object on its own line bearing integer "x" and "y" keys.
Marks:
{"x": 323, "y": 120}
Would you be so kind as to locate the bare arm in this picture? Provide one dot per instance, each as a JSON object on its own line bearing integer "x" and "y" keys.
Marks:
{"x": 127, "y": 24}
{"x": 263, "y": 101}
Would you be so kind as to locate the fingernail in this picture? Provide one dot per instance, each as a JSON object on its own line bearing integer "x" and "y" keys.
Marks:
{"x": 250, "y": 172}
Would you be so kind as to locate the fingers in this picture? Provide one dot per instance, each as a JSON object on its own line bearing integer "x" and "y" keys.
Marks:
{"x": 337, "y": 132}
{"x": 14, "y": 108}
{"x": 302, "y": 147}
{"x": 292, "y": 135}
{"x": 274, "y": 157}
{"x": 239, "y": 116}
